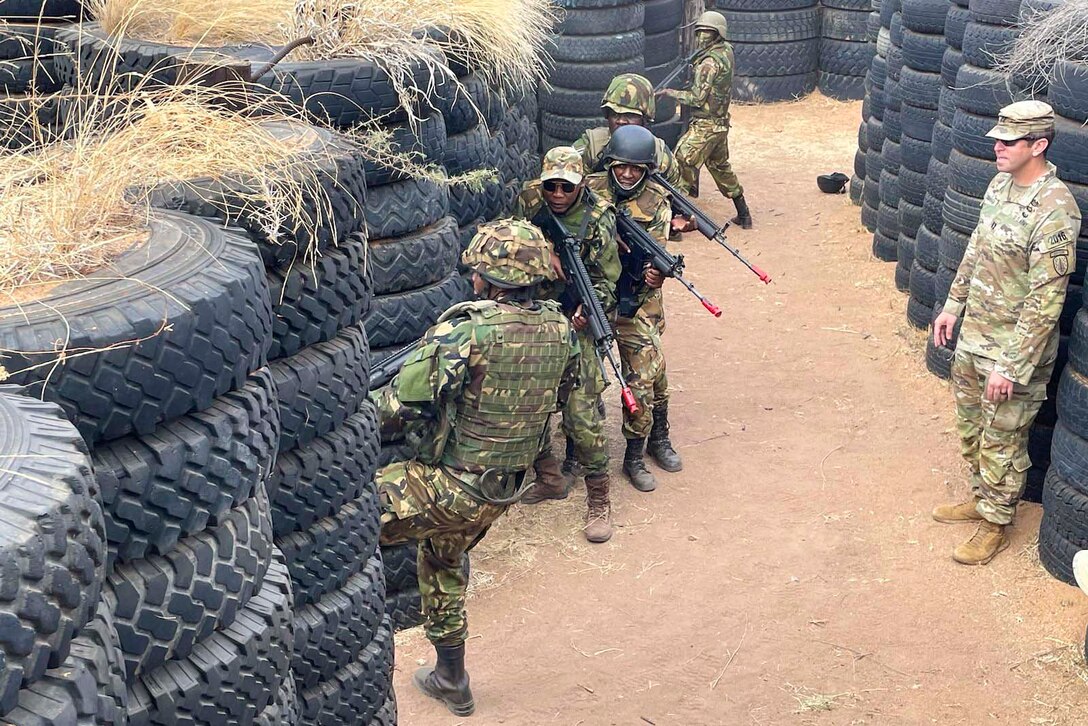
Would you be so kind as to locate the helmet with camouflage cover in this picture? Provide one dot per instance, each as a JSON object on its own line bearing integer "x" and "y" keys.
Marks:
{"x": 711, "y": 20}
{"x": 630, "y": 93}
{"x": 631, "y": 145}
{"x": 509, "y": 254}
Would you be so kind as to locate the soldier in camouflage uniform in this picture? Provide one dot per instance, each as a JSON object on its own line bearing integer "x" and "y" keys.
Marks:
{"x": 706, "y": 142}
{"x": 1009, "y": 290}
{"x": 629, "y": 159}
{"x": 560, "y": 189}
{"x": 629, "y": 99}
{"x": 475, "y": 396}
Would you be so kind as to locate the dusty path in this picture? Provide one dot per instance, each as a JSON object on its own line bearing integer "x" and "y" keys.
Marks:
{"x": 791, "y": 574}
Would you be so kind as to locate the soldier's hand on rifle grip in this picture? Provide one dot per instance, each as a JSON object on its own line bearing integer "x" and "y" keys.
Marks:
{"x": 578, "y": 320}
{"x": 653, "y": 277}
{"x": 681, "y": 223}
{"x": 943, "y": 327}
{"x": 557, "y": 267}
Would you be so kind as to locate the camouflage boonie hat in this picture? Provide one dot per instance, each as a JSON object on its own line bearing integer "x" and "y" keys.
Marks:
{"x": 1021, "y": 119}
{"x": 711, "y": 20}
{"x": 510, "y": 253}
{"x": 630, "y": 93}
{"x": 564, "y": 163}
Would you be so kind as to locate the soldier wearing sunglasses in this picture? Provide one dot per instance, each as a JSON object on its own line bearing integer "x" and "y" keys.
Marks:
{"x": 561, "y": 189}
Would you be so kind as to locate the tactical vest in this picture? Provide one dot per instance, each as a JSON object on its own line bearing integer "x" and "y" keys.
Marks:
{"x": 500, "y": 418}
{"x": 717, "y": 103}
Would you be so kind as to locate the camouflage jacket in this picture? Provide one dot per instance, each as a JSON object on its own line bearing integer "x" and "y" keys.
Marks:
{"x": 592, "y": 143}
{"x": 1011, "y": 284}
{"x": 600, "y": 249}
{"x": 712, "y": 84}
{"x": 440, "y": 379}
{"x": 652, "y": 209}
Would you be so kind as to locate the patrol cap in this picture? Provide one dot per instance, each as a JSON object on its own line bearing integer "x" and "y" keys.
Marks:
{"x": 1021, "y": 119}
{"x": 563, "y": 163}
{"x": 510, "y": 253}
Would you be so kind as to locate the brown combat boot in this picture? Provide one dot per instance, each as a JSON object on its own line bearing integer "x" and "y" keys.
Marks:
{"x": 985, "y": 543}
{"x": 599, "y": 515}
{"x": 551, "y": 482}
{"x": 956, "y": 513}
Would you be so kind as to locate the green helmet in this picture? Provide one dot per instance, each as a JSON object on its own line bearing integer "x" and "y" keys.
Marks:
{"x": 711, "y": 20}
{"x": 630, "y": 93}
{"x": 510, "y": 253}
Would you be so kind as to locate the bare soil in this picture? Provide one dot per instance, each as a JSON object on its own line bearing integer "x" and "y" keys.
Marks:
{"x": 791, "y": 574}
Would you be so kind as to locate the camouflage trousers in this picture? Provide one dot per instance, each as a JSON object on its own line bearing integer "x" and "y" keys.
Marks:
{"x": 582, "y": 420}
{"x": 994, "y": 434}
{"x": 424, "y": 503}
{"x": 706, "y": 143}
{"x": 643, "y": 363}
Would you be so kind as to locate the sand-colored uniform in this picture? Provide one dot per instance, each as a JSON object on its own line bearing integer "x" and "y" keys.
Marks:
{"x": 1009, "y": 290}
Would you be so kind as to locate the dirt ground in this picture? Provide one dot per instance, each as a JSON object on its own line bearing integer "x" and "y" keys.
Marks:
{"x": 791, "y": 573}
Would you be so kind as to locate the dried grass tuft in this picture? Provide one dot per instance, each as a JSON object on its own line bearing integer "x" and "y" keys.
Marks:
{"x": 1046, "y": 38}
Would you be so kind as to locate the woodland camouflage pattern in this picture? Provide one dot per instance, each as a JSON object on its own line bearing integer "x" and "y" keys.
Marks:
{"x": 631, "y": 93}
{"x": 639, "y": 338}
{"x": 706, "y": 142}
{"x": 511, "y": 253}
{"x": 1009, "y": 290}
{"x": 562, "y": 162}
{"x": 474, "y": 399}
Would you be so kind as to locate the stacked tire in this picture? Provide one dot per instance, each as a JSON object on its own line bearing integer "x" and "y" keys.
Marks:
{"x": 848, "y": 35}
{"x": 886, "y": 237}
{"x": 595, "y": 41}
{"x": 920, "y": 88}
{"x": 663, "y": 25}
{"x": 871, "y": 137}
{"x": 776, "y": 44}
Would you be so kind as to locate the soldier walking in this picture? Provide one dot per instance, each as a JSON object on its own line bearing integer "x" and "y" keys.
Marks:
{"x": 629, "y": 160}
{"x": 561, "y": 191}
{"x": 1009, "y": 291}
{"x": 477, "y": 392}
{"x": 706, "y": 142}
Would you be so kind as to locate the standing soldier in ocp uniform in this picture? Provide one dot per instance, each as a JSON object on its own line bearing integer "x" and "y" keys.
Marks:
{"x": 706, "y": 142}
{"x": 1009, "y": 290}
{"x": 476, "y": 394}
{"x": 561, "y": 190}
{"x": 629, "y": 160}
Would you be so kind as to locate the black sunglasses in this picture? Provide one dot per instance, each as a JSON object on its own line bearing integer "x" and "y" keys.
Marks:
{"x": 553, "y": 185}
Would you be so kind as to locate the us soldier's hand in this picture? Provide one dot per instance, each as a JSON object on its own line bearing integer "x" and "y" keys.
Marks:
{"x": 998, "y": 388}
{"x": 578, "y": 320}
{"x": 653, "y": 277}
{"x": 943, "y": 327}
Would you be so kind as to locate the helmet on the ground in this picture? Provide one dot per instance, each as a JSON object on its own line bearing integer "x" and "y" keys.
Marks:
{"x": 631, "y": 145}
{"x": 510, "y": 253}
{"x": 711, "y": 20}
{"x": 832, "y": 183}
{"x": 630, "y": 93}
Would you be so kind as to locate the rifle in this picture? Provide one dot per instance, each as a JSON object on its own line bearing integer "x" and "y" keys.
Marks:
{"x": 682, "y": 65}
{"x": 387, "y": 368}
{"x": 645, "y": 249}
{"x": 706, "y": 226}
{"x": 570, "y": 255}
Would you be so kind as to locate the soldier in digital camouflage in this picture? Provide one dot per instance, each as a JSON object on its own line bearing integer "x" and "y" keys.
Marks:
{"x": 474, "y": 399}
{"x": 1009, "y": 292}
{"x": 629, "y": 160}
{"x": 561, "y": 190}
{"x": 706, "y": 142}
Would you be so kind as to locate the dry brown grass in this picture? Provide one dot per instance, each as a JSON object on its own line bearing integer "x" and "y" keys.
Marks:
{"x": 1045, "y": 39}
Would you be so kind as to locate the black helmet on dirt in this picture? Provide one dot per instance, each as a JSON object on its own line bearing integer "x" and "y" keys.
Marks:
{"x": 832, "y": 183}
{"x": 631, "y": 145}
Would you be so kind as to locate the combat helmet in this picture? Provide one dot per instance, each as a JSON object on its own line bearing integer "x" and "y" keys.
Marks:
{"x": 509, "y": 254}
{"x": 711, "y": 20}
{"x": 630, "y": 93}
{"x": 631, "y": 145}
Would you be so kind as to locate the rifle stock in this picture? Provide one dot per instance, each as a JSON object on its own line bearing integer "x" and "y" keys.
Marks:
{"x": 387, "y": 368}
{"x": 706, "y": 226}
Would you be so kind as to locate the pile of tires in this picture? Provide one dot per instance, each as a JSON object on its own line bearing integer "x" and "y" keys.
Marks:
{"x": 871, "y": 132}
{"x": 886, "y": 236}
{"x": 776, "y": 44}
{"x": 662, "y": 23}
{"x": 848, "y": 35}
{"x": 920, "y": 87}
{"x": 595, "y": 41}
{"x": 29, "y": 50}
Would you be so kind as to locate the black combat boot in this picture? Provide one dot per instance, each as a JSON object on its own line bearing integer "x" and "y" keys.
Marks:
{"x": 658, "y": 445}
{"x": 448, "y": 681}
{"x": 571, "y": 467}
{"x": 744, "y": 216}
{"x": 634, "y": 466}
